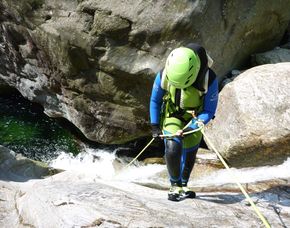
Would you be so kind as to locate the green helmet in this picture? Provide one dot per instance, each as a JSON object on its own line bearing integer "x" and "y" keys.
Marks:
{"x": 182, "y": 67}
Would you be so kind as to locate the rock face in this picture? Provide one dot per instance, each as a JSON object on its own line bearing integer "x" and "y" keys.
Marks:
{"x": 252, "y": 124}
{"x": 93, "y": 62}
{"x": 15, "y": 167}
{"x": 83, "y": 204}
{"x": 80, "y": 199}
{"x": 277, "y": 55}
{"x": 66, "y": 200}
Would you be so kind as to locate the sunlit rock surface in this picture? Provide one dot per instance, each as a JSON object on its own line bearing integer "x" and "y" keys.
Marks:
{"x": 80, "y": 198}
{"x": 93, "y": 62}
{"x": 252, "y": 124}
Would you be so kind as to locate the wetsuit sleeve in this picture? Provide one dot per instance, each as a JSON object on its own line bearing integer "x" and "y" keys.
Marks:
{"x": 210, "y": 103}
{"x": 156, "y": 100}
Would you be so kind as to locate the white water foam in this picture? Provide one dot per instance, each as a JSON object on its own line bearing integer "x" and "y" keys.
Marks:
{"x": 96, "y": 163}
{"x": 103, "y": 164}
{"x": 247, "y": 175}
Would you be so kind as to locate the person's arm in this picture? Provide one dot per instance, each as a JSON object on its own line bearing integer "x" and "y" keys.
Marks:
{"x": 156, "y": 101}
{"x": 210, "y": 103}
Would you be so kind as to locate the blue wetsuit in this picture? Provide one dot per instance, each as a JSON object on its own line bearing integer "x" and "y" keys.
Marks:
{"x": 180, "y": 164}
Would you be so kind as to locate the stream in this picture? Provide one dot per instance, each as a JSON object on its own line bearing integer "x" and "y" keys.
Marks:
{"x": 24, "y": 128}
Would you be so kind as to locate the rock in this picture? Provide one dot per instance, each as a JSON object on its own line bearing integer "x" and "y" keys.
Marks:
{"x": 18, "y": 168}
{"x": 277, "y": 55}
{"x": 252, "y": 122}
{"x": 93, "y": 62}
{"x": 66, "y": 201}
{"x": 154, "y": 161}
{"x": 8, "y": 212}
{"x": 80, "y": 199}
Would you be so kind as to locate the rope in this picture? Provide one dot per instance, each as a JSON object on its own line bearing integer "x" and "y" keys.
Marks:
{"x": 201, "y": 127}
{"x": 140, "y": 153}
{"x": 185, "y": 133}
{"x": 263, "y": 219}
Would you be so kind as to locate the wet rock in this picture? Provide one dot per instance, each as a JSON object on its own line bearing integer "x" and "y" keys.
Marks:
{"x": 79, "y": 199}
{"x": 18, "y": 168}
{"x": 66, "y": 201}
{"x": 277, "y": 55}
{"x": 160, "y": 161}
{"x": 252, "y": 122}
{"x": 93, "y": 62}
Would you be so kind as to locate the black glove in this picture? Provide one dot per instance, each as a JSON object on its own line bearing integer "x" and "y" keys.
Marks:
{"x": 155, "y": 130}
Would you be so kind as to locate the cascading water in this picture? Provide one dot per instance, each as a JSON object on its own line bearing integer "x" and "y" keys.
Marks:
{"x": 104, "y": 164}
{"x": 24, "y": 128}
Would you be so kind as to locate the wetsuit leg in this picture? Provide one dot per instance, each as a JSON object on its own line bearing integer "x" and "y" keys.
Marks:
{"x": 188, "y": 160}
{"x": 173, "y": 151}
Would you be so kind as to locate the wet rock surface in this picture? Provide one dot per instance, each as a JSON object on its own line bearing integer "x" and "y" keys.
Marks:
{"x": 76, "y": 199}
{"x": 93, "y": 62}
{"x": 256, "y": 132}
{"x": 66, "y": 200}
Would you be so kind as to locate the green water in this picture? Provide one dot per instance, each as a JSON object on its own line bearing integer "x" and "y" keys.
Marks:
{"x": 25, "y": 129}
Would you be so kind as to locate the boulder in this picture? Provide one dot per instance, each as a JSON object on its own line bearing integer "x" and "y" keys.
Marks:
{"x": 252, "y": 124}
{"x": 16, "y": 167}
{"x": 277, "y": 55}
{"x": 93, "y": 62}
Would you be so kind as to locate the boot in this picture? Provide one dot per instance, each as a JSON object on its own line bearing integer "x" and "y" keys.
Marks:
{"x": 174, "y": 193}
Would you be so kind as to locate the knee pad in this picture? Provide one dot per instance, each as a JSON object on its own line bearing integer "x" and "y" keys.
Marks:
{"x": 173, "y": 151}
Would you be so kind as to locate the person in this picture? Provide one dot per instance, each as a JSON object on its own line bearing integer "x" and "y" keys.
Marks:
{"x": 184, "y": 94}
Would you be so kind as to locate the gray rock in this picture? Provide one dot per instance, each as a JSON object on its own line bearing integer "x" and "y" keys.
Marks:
{"x": 78, "y": 199}
{"x": 252, "y": 122}
{"x": 93, "y": 62}
{"x": 15, "y": 167}
{"x": 66, "y": 201}
{"x": 277, "y": 55}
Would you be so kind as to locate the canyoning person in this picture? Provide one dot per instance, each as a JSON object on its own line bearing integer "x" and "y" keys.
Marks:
{"x": 184, "y": 95}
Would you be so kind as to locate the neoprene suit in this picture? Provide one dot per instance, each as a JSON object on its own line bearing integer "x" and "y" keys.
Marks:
{"x": 180, "y": 153}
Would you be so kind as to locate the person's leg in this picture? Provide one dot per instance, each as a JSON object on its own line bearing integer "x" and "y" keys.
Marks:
{"x": 173, "y": 152}
{"x": 188, "y": 160}
{"x": 190, "y": 147}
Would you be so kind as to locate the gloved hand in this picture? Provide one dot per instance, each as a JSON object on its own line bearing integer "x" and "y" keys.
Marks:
{"x": 156, "y": 131}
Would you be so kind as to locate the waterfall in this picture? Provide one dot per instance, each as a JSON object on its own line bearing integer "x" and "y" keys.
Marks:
{"x": 104, "y": 164}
